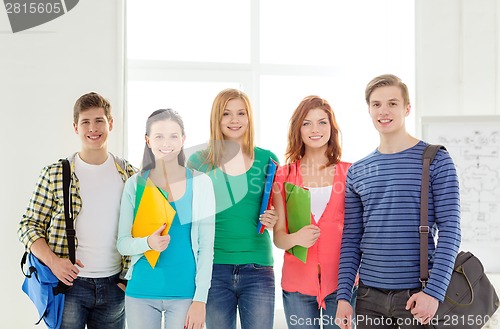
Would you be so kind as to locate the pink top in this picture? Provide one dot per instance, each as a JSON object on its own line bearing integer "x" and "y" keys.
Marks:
{"x": 319, "y": 275}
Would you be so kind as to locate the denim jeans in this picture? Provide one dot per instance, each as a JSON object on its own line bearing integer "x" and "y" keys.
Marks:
{"x": 248, "y": 288}
{"x": 145, "y": 313}
{"x": 384, "y": 309}
{"x": 302, "y": 312}
{"x": 97, "y": 303}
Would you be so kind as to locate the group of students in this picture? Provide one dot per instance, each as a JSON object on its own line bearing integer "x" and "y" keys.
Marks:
{"x": 364, "y": 227}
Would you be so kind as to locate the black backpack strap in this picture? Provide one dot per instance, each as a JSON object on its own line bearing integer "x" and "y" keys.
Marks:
{"x": 429, "y": 154}
{"x": 31, "y": 269}
{"x": 70, "y": 231}
{"x": 68, "y": 214}
{"x": 68, "y": 217}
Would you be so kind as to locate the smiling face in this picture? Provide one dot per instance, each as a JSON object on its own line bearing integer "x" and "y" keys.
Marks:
{"x": 316, "y": 130}
{"x": 165, "y": 140}
{"x": 234, "y": 122}
{"x": 93, "y": 128}
{"x": 388, "y": 110}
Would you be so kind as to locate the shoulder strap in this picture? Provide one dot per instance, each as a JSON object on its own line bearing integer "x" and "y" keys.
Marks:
{"x": 429, "y": 154}
{"x": 68, "y": 214}
{"x": 31, "y": 269}
{"x": 70, "y": 231}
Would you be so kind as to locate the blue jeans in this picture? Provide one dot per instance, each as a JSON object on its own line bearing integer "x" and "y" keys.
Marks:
{"x": 145, "y": 313}
{"x": 302, "y": 312}
{"x": 384, "y": 309}
{"x": 97, "y": 303}
{"x": 248, "y": 288}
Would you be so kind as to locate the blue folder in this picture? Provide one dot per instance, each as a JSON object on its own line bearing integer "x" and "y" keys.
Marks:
{"x": 268, "y": 187}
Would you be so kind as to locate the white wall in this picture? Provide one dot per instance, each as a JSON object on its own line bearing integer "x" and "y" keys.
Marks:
{"x": 42, "y": 72}
{"x": 458, "y": 64}
{"x": 458, "y": 57}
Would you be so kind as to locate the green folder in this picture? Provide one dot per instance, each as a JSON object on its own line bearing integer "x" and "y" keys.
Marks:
{"x": 298, "y": 208}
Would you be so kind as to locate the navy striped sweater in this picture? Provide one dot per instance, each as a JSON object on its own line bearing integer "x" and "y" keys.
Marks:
{"x": 382, "y": 217}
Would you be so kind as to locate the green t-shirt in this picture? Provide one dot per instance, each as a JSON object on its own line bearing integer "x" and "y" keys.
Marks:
{"x": 238, "y": 200}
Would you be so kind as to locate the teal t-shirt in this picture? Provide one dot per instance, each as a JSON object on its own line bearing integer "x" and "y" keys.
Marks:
{"x": 174, "y": 274}
{"x": 238, "y": 200}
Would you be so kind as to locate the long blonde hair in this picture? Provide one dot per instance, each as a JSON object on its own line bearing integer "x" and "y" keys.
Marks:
{"x": 215, "y": 145}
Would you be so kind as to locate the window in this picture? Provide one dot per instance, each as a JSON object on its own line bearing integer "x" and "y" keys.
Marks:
{"x": 182, "y": 53}
{"x": 193, "y": 31}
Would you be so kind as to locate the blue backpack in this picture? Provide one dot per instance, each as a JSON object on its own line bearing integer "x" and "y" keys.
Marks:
{"x": 40, "y": 284}
{"x": 42, "y": 287}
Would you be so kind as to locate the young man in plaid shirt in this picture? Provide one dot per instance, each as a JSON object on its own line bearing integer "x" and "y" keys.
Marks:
{"x": 95, "y": 298}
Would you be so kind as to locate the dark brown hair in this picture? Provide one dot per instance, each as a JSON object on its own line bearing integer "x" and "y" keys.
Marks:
{"x": 88, "y": 101}
{"x": 148, "y": 159}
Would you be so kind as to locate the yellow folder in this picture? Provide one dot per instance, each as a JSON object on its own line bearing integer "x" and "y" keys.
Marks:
{"x": 152, "y": 212}
{"x": 298, "y": 208}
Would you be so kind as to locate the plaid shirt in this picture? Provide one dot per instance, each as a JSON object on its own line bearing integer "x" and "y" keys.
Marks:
{"x": 44, "y": 216}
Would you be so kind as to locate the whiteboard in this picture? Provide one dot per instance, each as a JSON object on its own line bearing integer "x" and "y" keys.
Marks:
{"x": 474, "y": 144}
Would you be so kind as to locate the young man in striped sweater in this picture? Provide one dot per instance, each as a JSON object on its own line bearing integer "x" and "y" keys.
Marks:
{"x": 381, "y": 232}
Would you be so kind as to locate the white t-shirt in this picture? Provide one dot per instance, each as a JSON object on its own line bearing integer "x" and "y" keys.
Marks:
{"x": 319, "y": 199}
{"x": 97, "y": 223}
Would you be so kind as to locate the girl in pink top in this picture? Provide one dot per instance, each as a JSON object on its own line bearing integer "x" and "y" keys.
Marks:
{"x": 313, "y": 162}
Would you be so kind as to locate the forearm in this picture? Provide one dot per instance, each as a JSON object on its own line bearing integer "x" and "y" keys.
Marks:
{"x": 204, "y": 263}
{"x": 129, "y": 246}
{"x": 203, "y": 273}
{"x": 443, "y": 260}
{"x": 41, "y": 250}
{"x": 284, "y": 240}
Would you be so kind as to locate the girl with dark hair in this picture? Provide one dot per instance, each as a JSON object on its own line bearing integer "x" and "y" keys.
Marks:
{"x": 175, "y": 290}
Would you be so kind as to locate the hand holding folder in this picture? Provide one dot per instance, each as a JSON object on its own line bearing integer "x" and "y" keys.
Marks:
{"x": 152, "y": 211}
{"x": 298, "y": 208}
{"x": 267, "y": 196}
